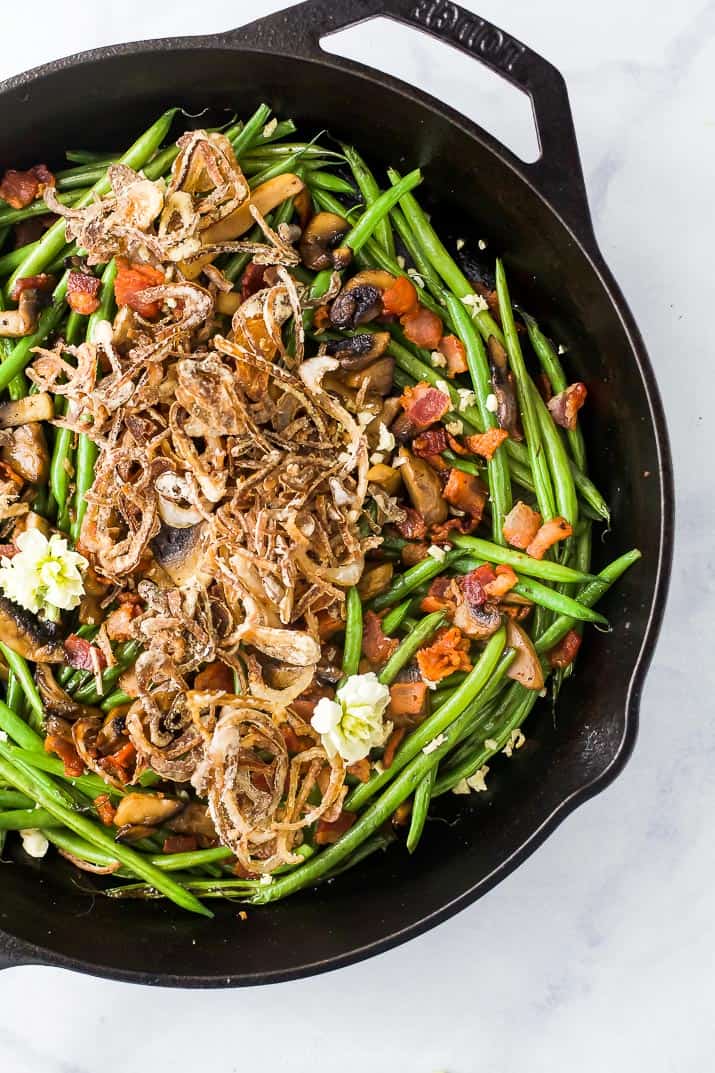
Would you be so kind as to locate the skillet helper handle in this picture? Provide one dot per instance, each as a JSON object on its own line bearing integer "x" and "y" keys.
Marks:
{"x": 557, "y": 174}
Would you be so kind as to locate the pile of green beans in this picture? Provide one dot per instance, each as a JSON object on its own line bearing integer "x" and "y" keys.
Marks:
{"x": 473, "y": 714}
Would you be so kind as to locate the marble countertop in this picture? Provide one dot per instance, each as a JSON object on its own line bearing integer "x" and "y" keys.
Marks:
{"x": 597, "y": 954}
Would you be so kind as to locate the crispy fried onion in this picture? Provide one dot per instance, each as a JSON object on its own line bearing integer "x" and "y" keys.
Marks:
{"x": 259, "y": 797}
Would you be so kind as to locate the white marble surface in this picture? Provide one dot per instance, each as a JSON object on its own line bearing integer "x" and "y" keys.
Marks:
{"x": 598, "y": 953}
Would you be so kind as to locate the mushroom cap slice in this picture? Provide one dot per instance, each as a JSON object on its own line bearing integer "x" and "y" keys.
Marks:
{"x": 31, "y": 637}
{"x": 181, "y": 553}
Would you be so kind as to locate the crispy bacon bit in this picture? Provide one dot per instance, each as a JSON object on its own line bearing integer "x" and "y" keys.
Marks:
{"x": 440, "y": 532}
{"x": 453, "y": 349}
{"x": 20, "y": 188}
{"x": 82, "y": 655}
{"x": 119, "y": 622}
{"x": 360, "y": 770}
{"x": 549, "y": 533}
{"x": 43, "y": 282}
{"x": 393, "y": 743}
{"x": 448, "y": 652}
{"x": 413, "y": 553}
{"x": 105, "y": 809}
{"x": 424, "y": 405}
{"x": 132, "y": 278}
{"x": 252, "y": 279}
{"x": 565, "y": 406}
{"x": 329, "y": 831}
{"x": 304, "y": 705}
{"x": 216, "y": 676}
{"x": 409, "y": 703}
{"x": 180, "y": 844}
{"x": 121, "y": 763}
{"x": 486, "y": 443}
{"x": 564, "y": 653}
{"x": 474, "y": 613}
{"x": 439, "y": 596}
{"x": 423, "y": 328}
{"x": 377, "y": 647}
{"x": 83, "y": 292}
{"x": 55, "y": 743}
{"x": 467, "y": 492}
{"x": 329, "y": 625}
{"x": 412, "y": 526}
{"x": 521, "y": 525}
{"x": 430, "y": 443}
{"x": 401, "y": 298}
{"x": 475, "y": 584}
{"x": 543, "y": 385}
{"x": 503, "y": 583}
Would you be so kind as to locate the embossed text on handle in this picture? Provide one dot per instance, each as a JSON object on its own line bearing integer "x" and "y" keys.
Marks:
{"x": 469, "y": 30}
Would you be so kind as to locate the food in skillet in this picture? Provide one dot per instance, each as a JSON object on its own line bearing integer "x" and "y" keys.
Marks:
{"x": 295, "y": 517}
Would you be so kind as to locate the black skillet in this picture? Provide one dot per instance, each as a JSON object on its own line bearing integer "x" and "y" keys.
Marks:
{"x": 536, "y": 216}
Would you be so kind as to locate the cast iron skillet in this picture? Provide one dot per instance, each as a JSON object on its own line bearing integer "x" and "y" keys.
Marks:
{"x": 537, "y": 217}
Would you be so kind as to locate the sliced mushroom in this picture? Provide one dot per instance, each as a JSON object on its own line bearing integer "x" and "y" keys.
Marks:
{"x": 375, "y": 580}
{"x": 149, "y": 809}
{"x": 39, "y": 407}
{"x": 31, "y": 520}
{"x": 526, "y": 666}
{"x": 134, "y": 832}
{"x": 112, "y": 734}
{"x": 194, "y": 820}
{"x": 15, "y": 323}
{"x": 424, "y": 488}
{"x": 378, "y": 377}
{"x": 303, "y": 205}
{"x": 370, "y": 277}
{"x": 27, "y": 453}
{"x": 180, "y": 552}
{"x": 54, "y": 697}
{"x": 227, "y": 302}
{"x": 355, "y": 306}
{"x": 31, "y": 637}
{"x": 358, "y": 351}
{"x": 503, "y": 383}
{"x": 320, "y": 243}
{"x": 477, "y": 620}
{"x": 387, "y": 477}
{"x": 174, "y": 506}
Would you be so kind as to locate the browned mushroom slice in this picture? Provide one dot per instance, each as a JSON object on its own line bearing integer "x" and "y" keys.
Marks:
{"x": 503, "y": 382}
{"x": 387, "y": 477}
{"x": 194, "y": 820}
{"x": 39, "y": 407}
{"x": 27, "y": 453}
{"x": 134, "y": 832}
{"x": 31, "y": 520}
{"x": 320, "y": 242}
{"x": 370, "y": 277}
{"x": 180, "y": 552}
{"x": 374, "y": 580}
{"x": 28, "y": 635}
{"x": 54, "y": 697}
{"x": 358, "y": 351}
{"x": 15, "y": 323}
{"x": 146, "y": 809}
{"x": 526, "y": 666}
{"x": 378, "y": 377}
{"x": 424, "y": 488}
{"x": 356, "y": 306}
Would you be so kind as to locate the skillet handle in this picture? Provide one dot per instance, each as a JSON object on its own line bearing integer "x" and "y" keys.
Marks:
{"x": 557, "y": 174}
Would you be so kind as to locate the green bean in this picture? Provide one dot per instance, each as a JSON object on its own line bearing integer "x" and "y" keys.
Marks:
{"x": 364, "y": 228}
{"x": 498, "y": 465}
{"x": 588, "y": 596}
{"x": 115, "y": 700}
{"x": 539, "y": 468}
{"x": 87, "y": 694}
{"x": 416, "y": 255}
{"x": 465, "y": 696}
{"x": 53, "y": 240}
{"x": 49, "y": 796}
{"x": 566, "y": 500}
{"x": 557, "y": 378}
{"x": 370, "y": 190}
{"x": 88, "y": 156}
{"x": 352, "y": 648}
{"x": 14, "y": 696}
{"x": 79, "y": 847}
{"x": 18, "y": 730}
{"x": 251, "y": 129}
{"x": 538, "y": 568}
{"x": 416, "y": 575}
{"x": 589, "y": 493}
{"x": 21, "y": 819}
{"x": 407, "y": 649}
{"x": 18, "y": 666}
{"x": 60, "y": 465}
{"x": 265, "y": 154}
{"x": 420, "y": 808}
{"x": 278, "y": 167}
{"x": 324, "y": 180}
{"x": 8, "y": 217}
{"x": 9, "y": 261}
{"x": 394, "y": 618}
{"x": 13, "y": 800}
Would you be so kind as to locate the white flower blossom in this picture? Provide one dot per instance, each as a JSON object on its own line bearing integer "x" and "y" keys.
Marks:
{"x": 353, "y": 724}
{"x": 44, "y": 575}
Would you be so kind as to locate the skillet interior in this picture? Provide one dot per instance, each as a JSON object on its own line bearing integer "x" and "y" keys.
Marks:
{"x": 103, "y": 103}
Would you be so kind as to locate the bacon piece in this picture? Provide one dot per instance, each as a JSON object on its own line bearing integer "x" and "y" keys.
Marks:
{"x": 83, "y": 292}
{"x": 252, "y": 279}
{"x": 412, "y": 526}
{"x": 521, "y": 525}
{"x": 448, "y": 652}
{"x": 79, "y": 654}
{"x": 180, "y": 844}
{"x": 393, "y": 743}
{"x": 215, "y": 676}
{"x": 329, "y": 625}
{"x": 453, "y": 349}
{"x": 503, "y": 583}
{"x": 439, "y": 596}
{"x": 360, "y": 770}
{"x": 132, "y": 278}
{"x": 475, "y": 584}
{"x": 119, "y": 622}
{"x": 440, "y": 532}
{"x": 565, "y": 406}
{"x": 377, "y": 647}
{"x": 20, "y": 188}
{"x": 304, "y": 705}
{"x": 105, "y": 809}
{"x": 121, "y": 763}
{"x": 549, "y": 534}
{"x": 486, "y": 443}
{"x": 430, "y": 443}
{"x": 424, "y": 405}
{"x": 74, "y": 765}
{"x": 409, "y": 703}
{"x": 423, "y": 328}
{"x": 467, "y": 492}
{"x": 564, "y": 653}
{"x": 43, "y": 282}
{"x": 27, "y": 231}
{"x": 400, "y": 299}
{"x": 329, "y": 831}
